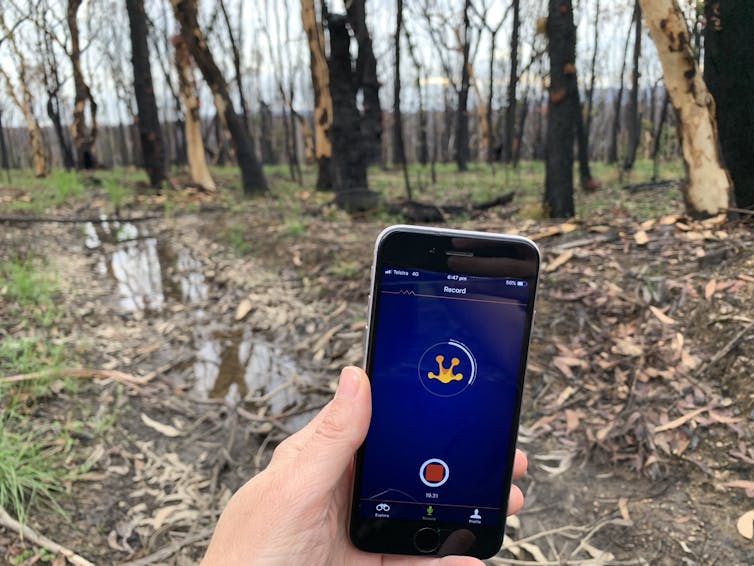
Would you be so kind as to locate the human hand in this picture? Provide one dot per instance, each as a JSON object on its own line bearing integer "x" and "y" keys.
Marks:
{"x": 295, "y": 511}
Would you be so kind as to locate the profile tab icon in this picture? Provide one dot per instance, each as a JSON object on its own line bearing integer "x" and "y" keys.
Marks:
{"x": 434, "y": 472}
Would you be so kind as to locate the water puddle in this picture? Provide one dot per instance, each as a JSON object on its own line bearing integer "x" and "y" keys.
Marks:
{"x": 147, "y": 271}
{"x": 243, "y": 370}
{"x": 152, "y": 273}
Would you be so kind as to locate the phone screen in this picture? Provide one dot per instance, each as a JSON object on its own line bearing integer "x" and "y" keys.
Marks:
{"x": 445, "y": 367}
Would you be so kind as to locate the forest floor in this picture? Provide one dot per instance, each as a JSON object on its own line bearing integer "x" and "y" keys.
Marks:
{"x": 213, "y": 331}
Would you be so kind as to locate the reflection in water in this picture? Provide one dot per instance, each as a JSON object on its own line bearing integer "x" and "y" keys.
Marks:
{"x": 236, "y": 368}
{"x": 136, "y": 268}
{"x": 140, "y": 266}
{"x": 190, "y": 278}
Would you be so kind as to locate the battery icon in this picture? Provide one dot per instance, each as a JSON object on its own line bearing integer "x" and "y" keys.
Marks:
{"x": 521, "y": 283}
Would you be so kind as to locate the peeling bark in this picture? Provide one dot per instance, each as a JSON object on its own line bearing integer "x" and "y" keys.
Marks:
{"x": 252, "y": 176}
{"x": 321, "y": 85}
{"x": 708, "y": 188}
{"x": 197, "y": 161}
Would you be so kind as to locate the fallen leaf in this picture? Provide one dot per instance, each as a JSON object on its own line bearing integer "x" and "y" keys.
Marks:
{"x": 709, "y": 289}
{"x": 745, "y": 277}
{"x": 164, "y": 429}
{"x": 746, "y": 485}
{"x": 626, "y": 348}
{"x": 661, "y": 316}
{"x": 244, "y": 308}
{"x": 641, "y": 238}
{"x": 623, "y": 508}
{"x": 572, "y": 419}
{"x": 675, "y": 423}
{"x": 745, "y": 525}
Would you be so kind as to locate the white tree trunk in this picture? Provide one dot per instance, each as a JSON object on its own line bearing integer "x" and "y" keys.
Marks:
{"x": 708, "y": 188}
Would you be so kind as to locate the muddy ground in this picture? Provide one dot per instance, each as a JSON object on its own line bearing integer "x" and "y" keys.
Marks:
{"x": 637, "y": 414}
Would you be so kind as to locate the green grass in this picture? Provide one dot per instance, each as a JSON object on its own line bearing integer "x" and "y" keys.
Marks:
{"x": 234, "y": 235}
{"x": 28, "y": 470}
{"x": 27, "y": 286}
{"x": 482, "y": 181}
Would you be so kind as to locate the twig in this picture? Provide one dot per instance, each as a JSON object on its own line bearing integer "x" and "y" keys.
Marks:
{"x": 84, "y": 373}
{"x": 170, "y": 549}
{"x": 725, "y": 350}
{"x": 32, "y": 536}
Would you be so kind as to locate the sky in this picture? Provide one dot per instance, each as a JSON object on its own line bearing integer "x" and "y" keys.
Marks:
{"x": 104, "y": 30}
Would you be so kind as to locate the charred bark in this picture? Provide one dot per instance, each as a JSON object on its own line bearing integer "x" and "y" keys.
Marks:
{"x": 729, "y": 73}
{"x": 510, "y": 111}
{"x": 84, "y": 138}
{"x": 348, "y": 155}
{"x": 633, "y": 118}
{"x": 462, "y": 117}
{"x": 399, "y": 151}
{"x": 150, "y": 132}
{"x": 563, "y": 109}
{"x": 612, "y": 148}
{"x": 366, "y": 79}
{"x": 252, "y": 176}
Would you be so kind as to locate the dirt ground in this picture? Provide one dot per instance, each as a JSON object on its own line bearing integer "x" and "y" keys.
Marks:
{"x": 637, "y": 415}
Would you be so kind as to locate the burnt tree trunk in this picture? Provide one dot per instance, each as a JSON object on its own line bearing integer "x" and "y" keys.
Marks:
{"x": 657, "y": 137}
{"x": 269, "y": 155}
{"x": 4, "y": 148}
{"x": 365, "y": 78}
{"x": 563, "y": 109}
{"x": 729, "y": 73}
{"x": 52, "y": 83}
{"x": 150, "y": 132}
{"x": 84, "y": 138}
{"x": 423, "y": 142}
{"x": 612, "y": 148}
{"x": 348, "y": 155}
{"x": 634, "y": 120}
{"x": 585, "y": 172}
{"x": 238, "y": 77}
{"x": 592, "y": 78}
{"x": 252, "y": 176}
{"x": 399, "y": 151}
{"x": 510, "y": 113}
{"x": 462, "y": 117}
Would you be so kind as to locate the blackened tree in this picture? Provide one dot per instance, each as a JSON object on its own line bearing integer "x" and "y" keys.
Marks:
{"x": 563, "y": 108}
{"x": 150, "y": 132}
{"x": 729, "y": 74}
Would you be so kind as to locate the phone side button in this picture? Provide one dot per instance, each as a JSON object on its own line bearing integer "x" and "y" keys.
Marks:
{"x": 426, "y": 540}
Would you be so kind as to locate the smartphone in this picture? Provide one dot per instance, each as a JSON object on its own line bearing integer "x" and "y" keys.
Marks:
{"x": 450, "y": 316}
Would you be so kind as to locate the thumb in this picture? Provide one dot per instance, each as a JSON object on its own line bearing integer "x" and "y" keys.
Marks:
{"x": 340, "y": 429}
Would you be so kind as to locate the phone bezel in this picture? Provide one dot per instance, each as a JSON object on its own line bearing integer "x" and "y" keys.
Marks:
{"x": 426, "y": 248}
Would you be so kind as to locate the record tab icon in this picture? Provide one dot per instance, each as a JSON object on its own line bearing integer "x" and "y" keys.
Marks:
{"x": 434, "y": 472}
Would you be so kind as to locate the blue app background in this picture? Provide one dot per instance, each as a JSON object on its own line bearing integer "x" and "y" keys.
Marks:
{"x": 415, "y": 420}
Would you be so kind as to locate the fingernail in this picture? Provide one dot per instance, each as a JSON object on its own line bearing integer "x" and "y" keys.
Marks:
{"x": 348, "y": 386}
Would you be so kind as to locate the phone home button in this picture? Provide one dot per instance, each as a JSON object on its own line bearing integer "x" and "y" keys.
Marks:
{"x": 426, "y": 540}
